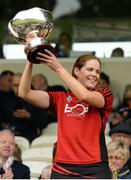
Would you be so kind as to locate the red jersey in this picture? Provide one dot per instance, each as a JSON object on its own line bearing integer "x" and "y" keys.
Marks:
{"x": 80, "y": 128}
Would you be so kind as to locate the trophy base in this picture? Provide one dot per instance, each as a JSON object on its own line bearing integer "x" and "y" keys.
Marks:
{"x": 32, "y": 53}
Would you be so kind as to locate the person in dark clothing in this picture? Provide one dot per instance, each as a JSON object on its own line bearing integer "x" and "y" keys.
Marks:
{"x": 18, "y": 115}
{"x": 12, "y": 169}
{"x": 6, "y": 80}
{"x": 125, "y": 107}
{"x": 64, "y": 45}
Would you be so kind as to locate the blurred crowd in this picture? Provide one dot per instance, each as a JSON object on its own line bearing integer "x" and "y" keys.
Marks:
{"x": 16, "y": 114}
{"x": 118, "y": 131}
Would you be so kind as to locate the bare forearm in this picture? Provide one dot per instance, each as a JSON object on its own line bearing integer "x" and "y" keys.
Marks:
{"x": 73, "y": 84}
{"x": 82, "y": 93}
{"x": 25, "y": 83}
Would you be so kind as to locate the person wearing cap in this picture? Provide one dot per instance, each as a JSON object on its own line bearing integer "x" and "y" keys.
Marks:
{"x": 122, "y": 132}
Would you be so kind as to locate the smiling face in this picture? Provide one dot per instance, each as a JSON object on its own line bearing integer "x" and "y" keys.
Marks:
{"x": 116, "y": 159}
{"x": 89, "y": 73}
{"x": 118, "y": 155}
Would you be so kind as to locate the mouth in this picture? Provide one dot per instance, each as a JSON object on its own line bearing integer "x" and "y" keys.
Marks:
{"x": 92, "y": 81}
{"x": 6, "y": 150}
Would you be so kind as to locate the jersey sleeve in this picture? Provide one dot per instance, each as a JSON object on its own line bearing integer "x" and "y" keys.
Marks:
{"x": 107, "y": 94}
{"x": 106, "y": 110}
{"x": 54, "y": 99}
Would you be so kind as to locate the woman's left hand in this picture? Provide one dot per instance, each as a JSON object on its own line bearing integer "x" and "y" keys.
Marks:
{"x": 50, "y": 59}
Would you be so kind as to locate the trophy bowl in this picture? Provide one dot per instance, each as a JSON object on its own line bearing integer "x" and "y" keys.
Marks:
{"x": 31, "y": 27}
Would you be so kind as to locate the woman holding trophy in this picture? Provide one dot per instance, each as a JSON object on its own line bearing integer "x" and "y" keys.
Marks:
{"x": 82, "y": 115}
{"x": 82, "y": 112}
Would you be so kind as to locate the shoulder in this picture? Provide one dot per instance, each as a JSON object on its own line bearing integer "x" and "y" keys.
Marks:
{"x": 20, "y": 165}
{"x": 107, "y": 94}
{"x": 20, "y": 170}
{"x": 57, "y": 94}
{"x": 104, "y": 91}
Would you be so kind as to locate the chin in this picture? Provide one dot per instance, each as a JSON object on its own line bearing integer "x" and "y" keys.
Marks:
{"x": 91, "y": 86}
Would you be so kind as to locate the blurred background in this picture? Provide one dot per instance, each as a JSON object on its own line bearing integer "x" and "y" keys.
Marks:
{"x": 96, "y": 26}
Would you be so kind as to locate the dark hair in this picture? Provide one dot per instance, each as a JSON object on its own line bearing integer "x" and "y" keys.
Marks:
{"x": 68, "y": 36}
{"x": 105, "y": 77}
{"x": 81, "y": 61}
{"x": 58, "y": 88}
{"x": 4, "y": 73}
{"x": 117, "y": 52}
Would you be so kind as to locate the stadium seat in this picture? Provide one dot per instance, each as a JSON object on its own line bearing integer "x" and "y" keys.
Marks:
{"x": 22, "y": 142}
{"x": 43, "y": 141}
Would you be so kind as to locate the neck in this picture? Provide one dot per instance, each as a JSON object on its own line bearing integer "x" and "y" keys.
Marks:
{"x": 4, "y": 159}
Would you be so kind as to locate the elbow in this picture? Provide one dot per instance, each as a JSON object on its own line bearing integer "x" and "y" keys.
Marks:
{"x": 21, "y": 94}
{"x": 92, "y": 100}
{"x": 83, "y": 98}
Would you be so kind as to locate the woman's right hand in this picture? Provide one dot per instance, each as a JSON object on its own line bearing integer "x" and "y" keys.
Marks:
{"x": 29, "y": 37}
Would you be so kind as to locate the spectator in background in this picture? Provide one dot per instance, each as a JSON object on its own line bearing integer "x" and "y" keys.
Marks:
{"x": 5, "y": 92}
{"x": 39, "y": 82}
{"x": 64, "y": 45}
{"x": 18, "y": 115}
{"x": 6, "y": 80}
{"x": 123, "y": 112}
{"x": 104, "y": 80}
{"x": 117, "y": 52}
{"x": 13, "y": 168}
{"x": 115, "y": 119}
{"x": 125, "y": 107}
{"x": 118, "y": 154}
{"x": 122, "y": 132}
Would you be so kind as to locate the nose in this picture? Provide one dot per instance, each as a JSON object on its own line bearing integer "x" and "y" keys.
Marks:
{"x": 94, "y": 73}
{"x": 113, "y": 160}
{"x": 7, "y": 144}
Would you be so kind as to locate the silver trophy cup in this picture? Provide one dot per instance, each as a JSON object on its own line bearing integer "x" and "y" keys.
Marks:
{"x": 32, "y": 27}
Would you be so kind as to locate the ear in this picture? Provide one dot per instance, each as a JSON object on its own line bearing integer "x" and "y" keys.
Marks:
{"x": 76, "y": 72}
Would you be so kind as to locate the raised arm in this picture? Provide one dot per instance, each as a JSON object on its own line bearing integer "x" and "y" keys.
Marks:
{"x": 35, "y": 97}
{"x": 94, "y": 98}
